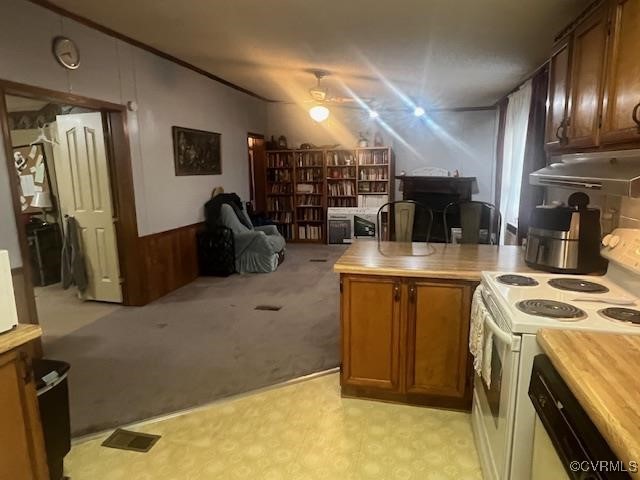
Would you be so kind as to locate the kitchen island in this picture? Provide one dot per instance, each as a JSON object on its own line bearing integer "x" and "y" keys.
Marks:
{"x": 405, "y": 311}
{"x": 601, "y": 370}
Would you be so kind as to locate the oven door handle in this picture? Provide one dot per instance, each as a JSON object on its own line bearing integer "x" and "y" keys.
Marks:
{"x": 503, "y": 336}
{"x": 512, "y": 340}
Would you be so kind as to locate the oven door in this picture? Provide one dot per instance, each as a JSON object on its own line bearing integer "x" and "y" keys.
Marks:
{"x": 494, "y": 405}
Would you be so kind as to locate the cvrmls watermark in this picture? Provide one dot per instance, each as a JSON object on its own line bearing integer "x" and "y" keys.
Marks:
{"x": 603, "y": 466}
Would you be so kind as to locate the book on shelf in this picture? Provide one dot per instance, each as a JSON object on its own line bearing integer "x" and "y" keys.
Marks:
{"x": 306, "y": 200}
{"x": 374, "y": 173}
{"x": 372, "y": 201}
{"x": 340, "y": 157}
{"x": 309, "y": 232}
{"x": 365, "y": 186}
{"x": 306, "y": 214}
{"x": 340, "y": 173}
{"x": 309, "y": 188}
{"x": 279, "y": 203}
{"x": 313, "y": 174}
{"x": 280, "y": 188}
{"x": 279, "y": 159}
{"x": 341, "y": 188}
{"x": 309, "y": 159}
{"x": 286, "y": 230}
{"x": 281, "y": 217}
{"x": 373, "y": 157}
{"x": 278, "y": 176}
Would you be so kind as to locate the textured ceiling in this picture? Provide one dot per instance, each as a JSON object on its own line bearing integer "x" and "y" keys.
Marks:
{"x": 440, "y": 53}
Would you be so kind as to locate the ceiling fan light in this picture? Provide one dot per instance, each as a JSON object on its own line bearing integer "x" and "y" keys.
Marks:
{"x": 319, "y": 113}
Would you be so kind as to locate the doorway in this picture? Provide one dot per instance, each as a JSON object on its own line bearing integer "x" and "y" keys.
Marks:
{"x": 257, "y": 169}
{"x": 106, "y": 138}
{"x": 59, "y": 156}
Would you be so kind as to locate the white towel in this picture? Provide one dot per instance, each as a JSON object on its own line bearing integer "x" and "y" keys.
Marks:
{"x": 480, "y": 341}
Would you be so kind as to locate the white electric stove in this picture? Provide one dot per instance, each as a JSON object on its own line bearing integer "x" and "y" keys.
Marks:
{"x": 518, "y": 305}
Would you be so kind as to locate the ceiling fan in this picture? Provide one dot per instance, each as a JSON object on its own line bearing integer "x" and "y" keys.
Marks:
{"x": 320, "y": 94}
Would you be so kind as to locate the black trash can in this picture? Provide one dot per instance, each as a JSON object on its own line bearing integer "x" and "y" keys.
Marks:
{"x": 53, "y": 400}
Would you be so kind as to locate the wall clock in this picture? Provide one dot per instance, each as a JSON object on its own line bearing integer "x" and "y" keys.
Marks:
{"x": 66, "y": 52}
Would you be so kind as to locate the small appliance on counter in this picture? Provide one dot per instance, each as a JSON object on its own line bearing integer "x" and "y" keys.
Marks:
{"x": 566, "y": 239}
{"x": 8, "y": 313}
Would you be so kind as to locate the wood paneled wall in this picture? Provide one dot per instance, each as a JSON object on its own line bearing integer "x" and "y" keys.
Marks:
{"x": 22, "y": 298}
{"x": 26, "y": 307}
{"x": 169, "y": 261}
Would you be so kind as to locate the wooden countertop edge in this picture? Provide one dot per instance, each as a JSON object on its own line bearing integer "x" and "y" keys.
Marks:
{"x": 19, "y": 336}
{"x": 607, "y": 424}
{"x": 469, "y": 275}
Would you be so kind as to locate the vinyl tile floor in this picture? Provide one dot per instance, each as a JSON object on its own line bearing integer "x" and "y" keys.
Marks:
{"x": 300, "y": 431}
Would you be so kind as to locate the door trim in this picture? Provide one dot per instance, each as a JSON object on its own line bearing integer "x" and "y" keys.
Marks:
{"x": 120, "y": 173}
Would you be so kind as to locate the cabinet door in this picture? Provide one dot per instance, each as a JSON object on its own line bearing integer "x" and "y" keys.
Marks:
{"x": 21, "y": 441}
{"x": 437, "y": 339}
{"x": 621, "y": 118}
{"x": 588, "y": 57}
{"x": 558, "y": 95}
{"x": 371, "y": 332}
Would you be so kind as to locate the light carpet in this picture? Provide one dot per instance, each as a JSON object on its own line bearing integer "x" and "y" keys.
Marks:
{"x": 203, "y": 342}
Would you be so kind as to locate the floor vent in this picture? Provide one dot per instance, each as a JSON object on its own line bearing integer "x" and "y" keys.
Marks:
{"x": 128, "y": 440}
{"x": 272, "y": 308}
{"x": 318, "y": 260}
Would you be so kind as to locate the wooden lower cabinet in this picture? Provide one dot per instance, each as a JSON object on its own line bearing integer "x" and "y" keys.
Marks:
{"x": 406, "y": 339}
{"x": 21, "y": 440}
{"x": 371, "y": 332}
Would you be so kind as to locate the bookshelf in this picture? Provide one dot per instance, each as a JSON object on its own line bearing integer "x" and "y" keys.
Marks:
{"x": 302, "y": 184}
{"x": 309, "y": 197}
{"x": 279, "y": 202}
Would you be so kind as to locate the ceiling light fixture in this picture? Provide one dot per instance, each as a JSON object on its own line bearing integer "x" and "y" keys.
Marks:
{"x": 373, "y": 114}
{"x": 319, "y": 113}
{"x": 418, "y": 111}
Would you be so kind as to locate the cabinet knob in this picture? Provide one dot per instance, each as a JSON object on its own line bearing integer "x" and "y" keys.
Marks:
{"x": 412, "y": 293}
{"x": 396, "y": 292}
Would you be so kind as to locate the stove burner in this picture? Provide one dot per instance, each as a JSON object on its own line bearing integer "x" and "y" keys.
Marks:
{"x": 517, "y": 280}
{"x": 577, "y": 285}
{"x": 551, "y": 309}
{"x": 628, "y": 315}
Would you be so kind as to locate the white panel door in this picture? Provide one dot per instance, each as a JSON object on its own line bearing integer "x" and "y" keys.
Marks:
{"x": 85, "y": 192}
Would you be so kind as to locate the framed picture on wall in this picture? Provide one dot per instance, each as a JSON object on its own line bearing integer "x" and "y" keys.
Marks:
{"x": 196, "y": 152}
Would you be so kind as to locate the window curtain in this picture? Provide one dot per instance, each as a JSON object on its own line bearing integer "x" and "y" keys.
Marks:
{"x": 515, "y": 139}
{"x": 535, "y": 156}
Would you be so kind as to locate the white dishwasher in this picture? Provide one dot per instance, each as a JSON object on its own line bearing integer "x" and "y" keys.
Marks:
{"x": 567, "y": 445}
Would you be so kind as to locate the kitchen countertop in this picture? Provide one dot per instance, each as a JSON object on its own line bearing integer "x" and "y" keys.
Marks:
{"x": 601, "y": 369}
{"x": 18, "y": 337}
{"x": 461, "y": 262}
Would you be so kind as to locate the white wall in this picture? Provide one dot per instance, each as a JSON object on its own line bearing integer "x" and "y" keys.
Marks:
{"x": 167, "y": 95}
{"x": 463, "y": 141}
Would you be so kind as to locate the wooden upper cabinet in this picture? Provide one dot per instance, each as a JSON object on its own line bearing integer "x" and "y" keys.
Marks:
{"x": 371, "y": 317}
{"x": 558, "y": 95}
{"x": 437, "y": 340}
{"x": 621, "y": 115}
{"x": 588, "y": 59}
